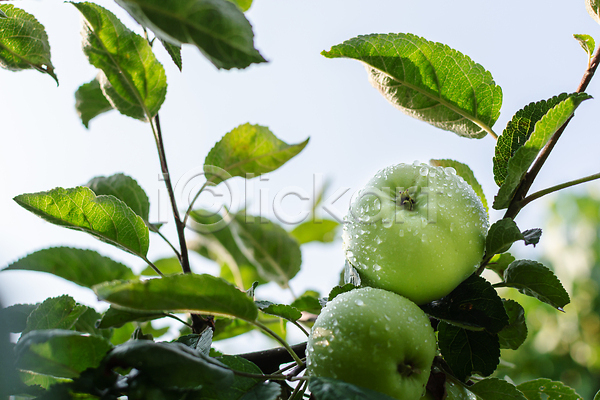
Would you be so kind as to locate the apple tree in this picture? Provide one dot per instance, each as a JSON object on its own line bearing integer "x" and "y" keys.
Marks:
{"x": 413, "y": 337}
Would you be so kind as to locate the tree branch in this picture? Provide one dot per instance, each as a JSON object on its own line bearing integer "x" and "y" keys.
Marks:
{"x": 270, "y": 360}
{"x": 516, "y": 203}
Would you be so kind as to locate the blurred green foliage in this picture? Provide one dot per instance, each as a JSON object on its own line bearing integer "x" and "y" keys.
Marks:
{"x": 565, "y": 346}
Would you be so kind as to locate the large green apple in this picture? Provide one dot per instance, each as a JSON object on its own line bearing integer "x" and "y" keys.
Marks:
{"x": 375, "y": 339}
{"x": 416, "y": 230}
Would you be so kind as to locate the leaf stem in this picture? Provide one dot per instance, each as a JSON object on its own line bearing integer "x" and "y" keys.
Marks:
{"x": 300, "y": 327}
{"x": 280, "y": 340}
{"x": 159, "y": 233}
{"x": 556, "y": 188}
{"x": 154, "y": 267}
{"x": 516, "y": 203}
{"x": 189, "y": 210}
{"x": 183, "y": 257}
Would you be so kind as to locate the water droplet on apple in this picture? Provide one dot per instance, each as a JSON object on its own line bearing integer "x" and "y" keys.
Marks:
{"x": 401, "y": 232}
{"x": 359, "y": 303}
{"x": 377, "y": 267}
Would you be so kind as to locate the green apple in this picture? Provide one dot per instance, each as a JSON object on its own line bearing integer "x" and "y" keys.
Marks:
{"x": 375, "y": 339}
{"x": 416, "y": 230}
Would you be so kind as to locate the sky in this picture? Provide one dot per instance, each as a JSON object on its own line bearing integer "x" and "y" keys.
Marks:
{"x": 527, "y": 46}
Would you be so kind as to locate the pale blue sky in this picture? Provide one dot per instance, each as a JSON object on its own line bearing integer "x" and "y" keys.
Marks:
{"x": 527, "y": 46}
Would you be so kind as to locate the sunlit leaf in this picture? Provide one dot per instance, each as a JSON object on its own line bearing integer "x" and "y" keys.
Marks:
{"x": 323, "y": 230}
{"x": 588, "y": 44}
{"x": 546, "y": 389}
{"x": 124, "y": 188}
{"x": 428, "y": 81}
{"x": 269, "y": 247}
{"x": 243, "y": 5}
{"x": 216, "y": 27}
{"x": 105, "y": 217}
{"x": 464, "y": 172}
{"x": 593, "y": 8}
{"x": 83, "y": 267}
{"x": 131, "y": 78}
{"x": 55, "y": 313}
{"x": 90, "y": 102}
{"x": 60, "y": 353}
{"x": 180, "y": 293}
{"x": 536, "y": 124}
{"x": 167, "y": 266}
{"x": 284, "y": 311}
{"x": 248, "y": 151}
{"x": 23, "y": 42}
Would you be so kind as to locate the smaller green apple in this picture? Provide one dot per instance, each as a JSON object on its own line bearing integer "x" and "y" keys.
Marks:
{"x": 375, "y": 339}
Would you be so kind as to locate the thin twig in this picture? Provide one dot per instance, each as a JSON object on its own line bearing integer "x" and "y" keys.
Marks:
{"x": 537, "y": 195}
{"x": 515, "y": 204}
{"x": 159, "y": 233}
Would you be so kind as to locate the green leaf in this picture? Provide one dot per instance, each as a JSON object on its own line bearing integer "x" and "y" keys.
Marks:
{"x": 269, "y": 247}
{"x": 125, "y": 189}
{"x": 116, "y": 317}
{"x": 546, "y": 389}
{"x": 243, "y": 5}
{"x": 535, "y": 280}
{"x": 309, "y": 302}
{"x": 324, "y": 231}
{"x": 105, "y": 217}
{"x": 587, "y": 43}
{"x": 496, "y": 389}
{"x": 428, "y": 81}
{"x": 597, "y": 396}
{"x": 468, "y": 352}
{"x": 464, "y": 172}
{"x": 87, "y": 323}
{"x": 60, "y": 353}
{"x": 240, "y": 385}
{"x": 263, "y": 391}
{"x": 499, "y": 263}
{"x": 187, "y": 368}
{"x": 23, "y": 42}
{"x": 131, "y": 78}
{"x": 279, "y": 310}
{"x": 502, "y": 234}
{"x": 55, "y": 313}
{"x": 216, "y": 27}
{"x": 536, "y": 124}
{"x": 180, "y": 293}
{"x": 217, "y": 243}
{"x": 14, "y": 318}
{"x": 175, "y": 53}
{"x": 90, "y": 102}
{"x": 332, "y": 389}
{"x": 45, "y": 381}
{"x": 514, "y": 334}
{"x": 473, "y": 305}
{"x": 518, "y": 131}
{"x": 339, "y": 290}
{"x": 248, "y": 151}
{"x": 168, "y": 266}
{"x": 83, "y": 267}
{"x": 593, "y": 8}
{"x": 226, "y": 328}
